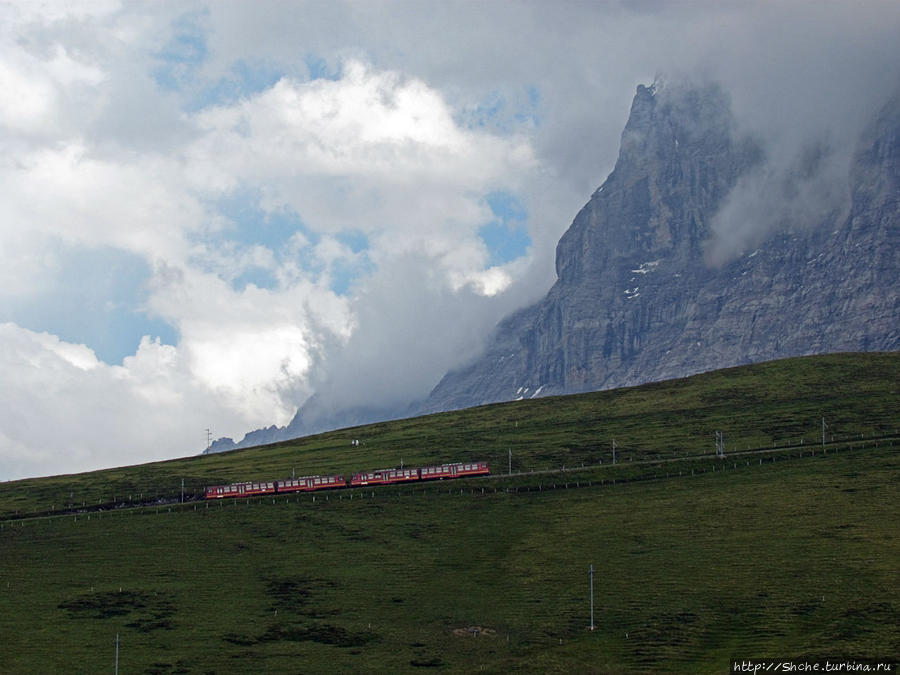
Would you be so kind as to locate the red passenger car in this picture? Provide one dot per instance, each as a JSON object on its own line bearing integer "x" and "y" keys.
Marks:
{"x": 310, "y": 483}
{"x": 240, "y": 490}
{"x": 384, "y": 477}
{"x": 456, "y": 470}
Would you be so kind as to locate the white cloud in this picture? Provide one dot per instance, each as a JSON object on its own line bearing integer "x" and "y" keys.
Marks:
{"x": 64, "y": 411}
{"x": 137, "y": 206}
{"x": 426, "y": 110}
{"x": 346, "y": 153}
{"x": 30, "y": 102}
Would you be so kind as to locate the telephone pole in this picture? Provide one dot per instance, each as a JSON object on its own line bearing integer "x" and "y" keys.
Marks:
{"x": 208, "y": 439}
{"x": 592, "y": 596}
{"x": 614, "y": 451}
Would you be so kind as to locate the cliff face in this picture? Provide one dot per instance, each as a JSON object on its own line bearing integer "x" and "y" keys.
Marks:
{"x": 637, "y": 298}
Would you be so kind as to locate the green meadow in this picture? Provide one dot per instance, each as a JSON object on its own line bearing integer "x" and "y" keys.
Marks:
{"x": 785, "y": 548}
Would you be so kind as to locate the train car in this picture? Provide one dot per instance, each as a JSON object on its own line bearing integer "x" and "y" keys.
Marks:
{"x": 310, "y": 484}
{"x": 384, "y": 477}
{"x": 240, "y": 490}
{"x": 455, "y": 470}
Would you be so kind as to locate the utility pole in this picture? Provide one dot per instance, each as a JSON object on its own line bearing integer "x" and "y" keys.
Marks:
{"x": 510, "y": 460}
{"x": 614, "y": 451}
{"x": 824, "y": 426}
{"x": 720, "y": 444}
{"x": 182, "y": 490}
{"x": 592, "y": 597}
{"x": 208, "y": 439}
{"x": 117, "y": 654}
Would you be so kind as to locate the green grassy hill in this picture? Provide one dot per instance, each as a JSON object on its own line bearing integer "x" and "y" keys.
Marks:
{"x": 784, "y": 553}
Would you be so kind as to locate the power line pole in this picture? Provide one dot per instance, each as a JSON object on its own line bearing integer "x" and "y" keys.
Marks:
{"x": 592, "y": 597}
{"x": 182, "y": 490}
{"x": 510, "y": 460}
{"x": 208, "y": 439}
{"x": 117, "y": 654}
{"x": 614, "y": 451}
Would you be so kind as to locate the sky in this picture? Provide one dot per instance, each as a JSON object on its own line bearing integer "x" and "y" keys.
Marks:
{"x": 211, "y": 211}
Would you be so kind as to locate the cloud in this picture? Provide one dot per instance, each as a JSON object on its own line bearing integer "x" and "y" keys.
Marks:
{"x": 62, "y": 407}
{"x": 309, "y": 191}
{"x": 343, "y": 153}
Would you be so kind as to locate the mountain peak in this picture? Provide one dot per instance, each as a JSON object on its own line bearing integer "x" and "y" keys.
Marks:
{"x": 635, "y": 300}
{"x": 678, "y": 158}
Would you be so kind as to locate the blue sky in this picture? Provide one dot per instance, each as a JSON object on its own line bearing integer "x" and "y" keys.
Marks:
{"x": 506, "y": 237}
{"x": 104, "y": 309}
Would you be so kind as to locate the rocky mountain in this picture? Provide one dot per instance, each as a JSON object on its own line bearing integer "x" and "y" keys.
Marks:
{"x": 645, "y": 291}
{"x": 693, "y": 255}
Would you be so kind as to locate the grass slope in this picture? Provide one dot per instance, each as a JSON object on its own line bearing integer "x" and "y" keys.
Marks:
{"x": 794, "y": 557}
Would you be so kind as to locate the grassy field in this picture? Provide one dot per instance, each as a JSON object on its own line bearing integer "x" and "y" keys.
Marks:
{"x": 785, "y": 554}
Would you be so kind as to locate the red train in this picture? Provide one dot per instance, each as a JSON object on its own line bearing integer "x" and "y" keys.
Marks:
{"x": 362, "y": 478}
